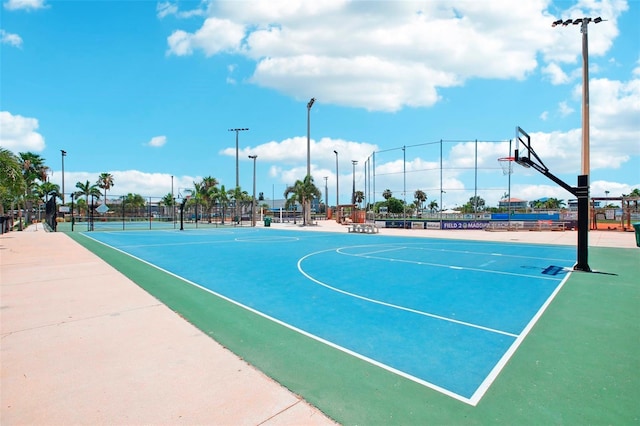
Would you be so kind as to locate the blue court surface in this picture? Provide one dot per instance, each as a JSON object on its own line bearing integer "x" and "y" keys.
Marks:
{"x": 447, "y": 314}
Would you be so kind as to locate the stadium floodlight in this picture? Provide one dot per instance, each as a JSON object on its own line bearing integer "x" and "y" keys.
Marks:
{"x": 237, "y": 130}
{"x": 64, "y": 154}
{"x": 584, "y": 22}
{"x": 253, "y": 201}
{"x": 583, "y": 179}
{"x": 309, "y": 105}
{"x": 337, "y": 181}
{"x": 353, "y": 192}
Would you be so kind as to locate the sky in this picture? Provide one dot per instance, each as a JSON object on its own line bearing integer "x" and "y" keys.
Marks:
{"x": 148, "y": 91}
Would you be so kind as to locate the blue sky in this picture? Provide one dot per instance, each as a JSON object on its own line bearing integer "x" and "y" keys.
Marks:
{"x": 148, "y": 90}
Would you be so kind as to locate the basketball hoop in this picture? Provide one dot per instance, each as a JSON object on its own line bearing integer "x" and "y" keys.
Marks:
{"x": 507, "y": 165}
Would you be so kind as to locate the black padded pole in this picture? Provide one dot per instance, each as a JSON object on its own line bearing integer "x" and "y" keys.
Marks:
{"x": 582, "y": 192}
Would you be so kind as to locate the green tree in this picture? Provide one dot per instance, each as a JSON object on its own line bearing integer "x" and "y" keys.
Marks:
{"x": 553, "y": 203}
{"x": 87, "y": 190}
{"x": 168, "y": 201}
{"x": 433, "y": 206}
{"x": 239, "y": 197}
{"x": 359, "y": 197}
{"x": 47, "y": 189}
{"x": 420, "y": 197}
{"x": 33, "y": 169}
{"x": 12, "y": 184}
{"x": 135, "y": 203}
{"x": 208, "y": 191}
{"x": 222, "y": 198}
{"x": 475, "y": 204}
{"x": 303, "y": 191}
{"x": 105, "y": 181}
{"x": 395, "y": 206}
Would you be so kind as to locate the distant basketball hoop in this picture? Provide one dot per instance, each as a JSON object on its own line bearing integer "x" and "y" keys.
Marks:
{"x": 507, "y": 165}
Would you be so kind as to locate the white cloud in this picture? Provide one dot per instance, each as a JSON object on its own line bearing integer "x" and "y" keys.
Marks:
{"x": 130, "y": 181}
{"x": 168, "y": 8}
{"x": 18, "y": 133}
{"x": 292, "y": 151}
{"x": 157, "y": 141}
{"x": 375, "y": 55}
{"x": 10, "y": 39}
{"x": 215, "y": 36}
{"x": 544, "y": 116}
{"x": 555, "y": 73}
{"x": 564, "y": 109}
{"x": 24, "y": 4}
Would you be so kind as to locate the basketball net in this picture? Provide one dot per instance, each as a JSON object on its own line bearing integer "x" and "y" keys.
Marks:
{"x": 507, "y": 165}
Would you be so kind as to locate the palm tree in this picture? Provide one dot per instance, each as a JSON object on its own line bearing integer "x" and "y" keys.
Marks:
{"x": 87, "y": 190}
{"x": 168, "y": 201}
{"x": 33, "y": 169}
{"x": 12, "y": 183}
{"x": 476, "y": 203}
{"x": 420, "y": 197}
{"x": 47, "y": 188}
{"x": 105, "y": 181}
{"x": 303, "y": 191}
{"x": 135, "y": 202}
{"x": 359, "y": 197}
{"x": 386, "y": 194}
{"x": 433, "y": 205}
{"x": 207, "y": 189}
{"x": 222, "y": 198}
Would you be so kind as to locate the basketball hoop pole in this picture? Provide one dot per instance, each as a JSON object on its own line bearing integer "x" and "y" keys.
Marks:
{"x": 583, "y": 179}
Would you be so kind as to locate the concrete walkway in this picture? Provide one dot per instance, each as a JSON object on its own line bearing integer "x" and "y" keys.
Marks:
{"x": 82, "y": 344}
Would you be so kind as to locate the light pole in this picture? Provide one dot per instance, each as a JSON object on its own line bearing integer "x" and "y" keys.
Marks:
{"x": 307, "y": 207}
{"x": 404, "y": 187}
{"x": 253, "y": 201}
{"x": 237, "y": 130}
{"x": 309, "y": 105}
{"x": 326, "y": 198}
{"x": 584, "y": 23}
{"x": 583, "y": 179}
{"x": 337, "y": 182}
{"x": 353, "y": 192}
{"x": 173, "y": 205}
{"x": 64, "y": 154}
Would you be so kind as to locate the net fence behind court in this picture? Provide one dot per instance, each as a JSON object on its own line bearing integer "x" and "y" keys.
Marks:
{"x": 140, "y": 213}
{"x": 449, "y": 172}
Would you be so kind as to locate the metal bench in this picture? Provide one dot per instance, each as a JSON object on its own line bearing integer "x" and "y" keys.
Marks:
{"x": 363, "y": 228}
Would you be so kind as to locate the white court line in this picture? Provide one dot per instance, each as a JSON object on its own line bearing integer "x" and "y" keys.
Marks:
{"x": 488, "y": 381}
{"x": 298, "y": 330}
{"x": 439, "y": 265}
{"x": 391, "y": 305}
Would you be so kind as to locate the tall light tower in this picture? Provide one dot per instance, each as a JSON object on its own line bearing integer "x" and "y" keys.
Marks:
{"x": 64, "y": 154}
{"x": 326, "y": 198}
{"x": 583, "y": 179}
{"x": 253, "y": 201}
{"x": 337, "y": 182}
{"x": 584, "y": 23}
{"x": 237, "y": 130}
{"x": 309, "y": 105}
{"x": 353, "y": 192}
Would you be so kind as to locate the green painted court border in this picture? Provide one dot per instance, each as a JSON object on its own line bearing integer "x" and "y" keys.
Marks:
{"x": 579, "y": 365}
